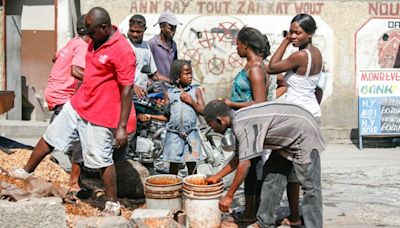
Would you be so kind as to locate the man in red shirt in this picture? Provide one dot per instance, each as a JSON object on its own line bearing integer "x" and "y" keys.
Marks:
{"x": 98, "y": 113}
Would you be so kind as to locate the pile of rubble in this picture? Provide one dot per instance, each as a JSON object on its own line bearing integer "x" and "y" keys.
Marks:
{"x": 50, "y": 181}
{"x": 42, "y": 200}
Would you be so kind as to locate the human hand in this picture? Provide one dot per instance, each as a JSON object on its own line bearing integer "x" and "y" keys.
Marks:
{"x": 286, "y": 39}
{"x": 144, "y": 117}
{"x": 185, "y": 97}
{"x": 121, "y": 137}
{"x": 139, "y": 91}
{"x": 225, "y": 203}
{"x": 227, "y": 101}
{"x": 212, "y": 180}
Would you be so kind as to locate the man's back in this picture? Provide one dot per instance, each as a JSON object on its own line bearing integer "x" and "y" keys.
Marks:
{"x": 277, "y": 125}
{"x": 61, "y": 84}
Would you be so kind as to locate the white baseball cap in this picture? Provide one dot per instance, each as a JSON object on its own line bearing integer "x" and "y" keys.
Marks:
{"x": 169, "y": 18}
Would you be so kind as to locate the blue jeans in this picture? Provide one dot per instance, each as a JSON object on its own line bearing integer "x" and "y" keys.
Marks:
{"x": 276, "y": 173}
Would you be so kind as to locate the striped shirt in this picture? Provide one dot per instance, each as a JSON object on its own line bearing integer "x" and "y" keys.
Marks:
{"x": 282, "y": 126}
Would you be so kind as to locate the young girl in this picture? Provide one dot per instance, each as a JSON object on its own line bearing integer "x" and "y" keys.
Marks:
{"x": 182, "y": 141}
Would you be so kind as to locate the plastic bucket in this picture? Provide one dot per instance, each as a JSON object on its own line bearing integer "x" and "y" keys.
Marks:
{"x": 163, "y": 192}
{"x": 201, "y": 201}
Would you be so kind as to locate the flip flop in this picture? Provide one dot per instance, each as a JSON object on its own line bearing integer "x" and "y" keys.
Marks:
{"x": 70, "y": 198}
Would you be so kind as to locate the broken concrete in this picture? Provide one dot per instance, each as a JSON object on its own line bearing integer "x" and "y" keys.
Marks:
{"x": 40, "y": 212}
{"x": 105, "y": 222}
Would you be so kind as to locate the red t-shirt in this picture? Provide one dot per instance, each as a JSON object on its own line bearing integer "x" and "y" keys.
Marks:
{"x": 108, "y": 68}
{"x": 61, "y": 84}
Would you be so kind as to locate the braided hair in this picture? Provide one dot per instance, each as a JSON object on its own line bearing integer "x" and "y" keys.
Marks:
{"x": 267, "y": 48}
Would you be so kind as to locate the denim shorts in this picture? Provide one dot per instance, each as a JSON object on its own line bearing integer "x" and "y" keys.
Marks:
{"x": 96, "y": 141}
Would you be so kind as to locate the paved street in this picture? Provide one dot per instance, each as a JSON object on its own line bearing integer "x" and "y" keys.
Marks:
{"x": 361, "y": 188}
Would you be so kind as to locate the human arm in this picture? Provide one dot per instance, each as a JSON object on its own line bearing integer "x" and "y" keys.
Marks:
{"x": 155, "y": 75}
{"x": 139, "y": 91}
{"x": 277, "y": 65}
{"x": 230, "y": 167}
{"x": 124, "y": 64}
{"x": 148, "y": 117}
{"x": 241, "y": 173}
{"x": 77, "y": 72}
{"x": 160, "y": 77}
{"x": 282, "y": 87}
{"x": 197, "y": 106}
{"x": 258, "y": 89}
{"x": 121, "y": 136}
{"x": 78, "y": 62}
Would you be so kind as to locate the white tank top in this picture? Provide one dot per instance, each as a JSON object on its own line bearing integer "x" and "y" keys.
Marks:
{"x": 301, "y": 88}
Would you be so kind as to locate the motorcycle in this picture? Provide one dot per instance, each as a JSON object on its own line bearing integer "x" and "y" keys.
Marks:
{"x": 149, "y": 142}
{"x": 147, "y": 145}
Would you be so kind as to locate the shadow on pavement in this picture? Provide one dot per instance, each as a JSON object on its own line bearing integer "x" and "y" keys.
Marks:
{"x": 7, "y": 145}
{"x": 381, "y": 141}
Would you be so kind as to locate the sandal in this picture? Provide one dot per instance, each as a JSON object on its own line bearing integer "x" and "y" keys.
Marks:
{"x": 69, "y": 198}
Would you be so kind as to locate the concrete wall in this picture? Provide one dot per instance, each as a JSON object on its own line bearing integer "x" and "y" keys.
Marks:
{"x": 338, "y": 21}
{"x": 2, "y": 67}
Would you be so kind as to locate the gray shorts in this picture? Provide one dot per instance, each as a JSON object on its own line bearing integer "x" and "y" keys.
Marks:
{"x": 96, "y": 141}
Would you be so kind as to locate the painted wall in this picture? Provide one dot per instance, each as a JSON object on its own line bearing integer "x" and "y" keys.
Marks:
{"x": 338, "y": 22}
{"x": 38, "y": 45}
{"x": 2, "y": 67}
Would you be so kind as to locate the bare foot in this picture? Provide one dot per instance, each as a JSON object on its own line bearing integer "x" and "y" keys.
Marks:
{"x": 254, "y": 225}
{"x": 286, "y": 221}
{"x": 74, "y": 187}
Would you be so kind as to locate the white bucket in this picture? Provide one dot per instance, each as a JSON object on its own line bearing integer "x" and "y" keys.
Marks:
{"x": 201, "y": 202}
{"x": 163, "y": 192}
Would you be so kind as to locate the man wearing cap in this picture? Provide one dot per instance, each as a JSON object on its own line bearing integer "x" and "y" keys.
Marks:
{"x": 144, "y": 57}
{"x": 163, "y": 46}
{"x": 64, "y": 79}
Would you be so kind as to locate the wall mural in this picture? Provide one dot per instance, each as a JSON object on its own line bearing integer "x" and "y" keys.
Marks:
{"x": 377, "y": 47}
{"x": 209, "y": 42}
{"x": 377, "y": 43}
